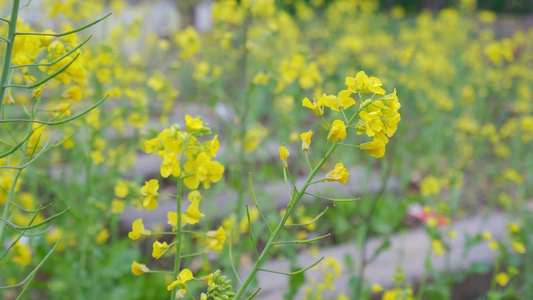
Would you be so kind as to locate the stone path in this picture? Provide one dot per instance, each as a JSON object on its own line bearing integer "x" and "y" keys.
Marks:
{"x": 406, "y": 250}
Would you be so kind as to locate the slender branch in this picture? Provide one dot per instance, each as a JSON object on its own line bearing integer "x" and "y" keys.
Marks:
{"x": 4, "y": 40}
{"x": 250, "y": 231}
{"x": 255, "y": 201}
{"x": 41, "y": 208}
{"x": 31, "y": 86}
{"x": 231, "y": 259}
{"x": 193, "y": 254}
{"x": 21, "y": 234}
{"x": 348, "y": 145}
{"x": 310, "y": 222}
{"x": 53, "y": 123}
{"x": 281, "y": 224}
{"x": 295, "y": 272}
{"x": 160, "y": 272}
{"x": 64, "y": 33}
{"x": 334, "y": 200}
{"x": 254, "y": 294}
{"x": 48, "y": 64}
{"x": 25, "y": 5}
{"x": 17, "y": 227}
{"x": 5, "y": 20}
{"x": 28, "y": 278}
{"x": 302, "y": 241}
{"x": 12, "y": 150}
{"x": 308, "y": 162}
{"x": 43, "y": 149}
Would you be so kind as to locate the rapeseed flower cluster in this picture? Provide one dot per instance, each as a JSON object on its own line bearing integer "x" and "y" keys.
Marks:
{"x": 191, "y": 161}
{"x": 377, "y": 115}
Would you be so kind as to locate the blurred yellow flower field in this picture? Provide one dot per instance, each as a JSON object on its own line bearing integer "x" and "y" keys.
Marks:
{"x": 175, "y": 149}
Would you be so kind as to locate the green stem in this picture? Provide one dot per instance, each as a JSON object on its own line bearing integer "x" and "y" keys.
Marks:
{"x": 495, "y": 274}
{"x": 422, "y": 285}
{"x": 177, "y": 259}
{"x": 9, "y": 50}
{"x": 274, "y": 236}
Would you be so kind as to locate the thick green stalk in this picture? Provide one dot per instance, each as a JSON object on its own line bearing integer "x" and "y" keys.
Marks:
{"x": 4, "y": 78}
{"x": 9, "y": 49}
{"x": 274, "y": 236}
{"x": 177, "y": 259}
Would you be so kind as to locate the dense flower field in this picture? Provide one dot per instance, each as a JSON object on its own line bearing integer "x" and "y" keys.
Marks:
{"x": 148, "y": 162}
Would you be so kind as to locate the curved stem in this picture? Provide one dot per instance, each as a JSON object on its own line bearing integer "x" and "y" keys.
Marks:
{"x": 281, "y": 224}
{"x": 9, "y": 50}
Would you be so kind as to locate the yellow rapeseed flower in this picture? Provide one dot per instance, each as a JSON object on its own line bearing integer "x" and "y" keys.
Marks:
{"x": 149, "y": 191}
{"x": 216, "y": 240}
{"x": 283, "y": 154}
{"x": 138, "y": 230}
{"x": 377, "y": 147}
{"x": 339, "y": 174}
{"x": 184, "y": 276}
{"x": 193, "y": 123}
{"x": 159, "y": 249}
{"x": 192, "y": 215}
{"x": 337, "y": 131}
{"x": 139, "y": 269}
{"x": 306, "y": 140}
{"x": 170, "y": 165}
{"x": 316, "y": 107}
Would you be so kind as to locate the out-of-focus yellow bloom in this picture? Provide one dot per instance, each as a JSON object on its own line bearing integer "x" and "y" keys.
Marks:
{"x": 22, "y": 254}
{"x": 117, "y": 206}
{"x": 518, "y": 247}
{"x": 261, "y": 79}
{"x": 8, "y": 98}
{"x": 283, "y": 154}
{"x": 37, "y": 92}
{"x": 121, "y": 189}
{"x": 216, "y": 240}
{"x": 512, "y": 175}
{"x": 73, "y": 93}
{"x": 438, "y": 249}
{"x": 502, "y": 278}
{"x": 376, "y": 288}
{"x": 429, "y": 186}
{"x": 102, "y": 236}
